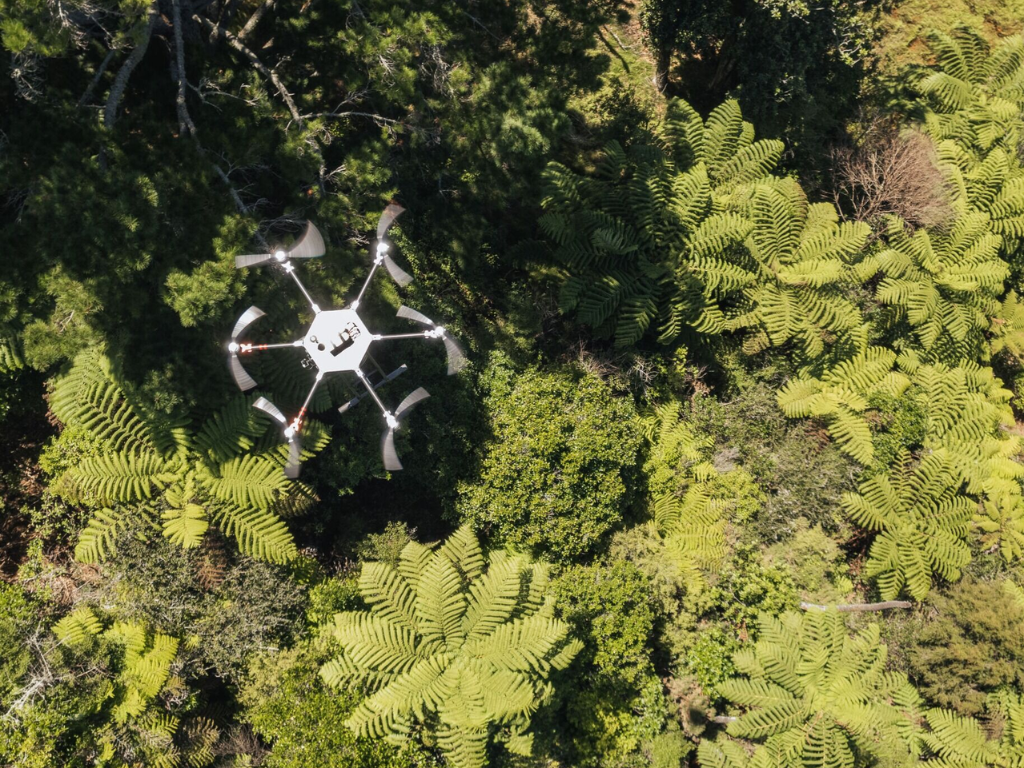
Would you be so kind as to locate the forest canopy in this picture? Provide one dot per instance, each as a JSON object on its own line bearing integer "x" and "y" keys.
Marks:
{"x": 720, "y": 465}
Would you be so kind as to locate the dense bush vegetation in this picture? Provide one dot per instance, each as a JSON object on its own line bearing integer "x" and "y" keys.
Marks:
{"x": 733, "y": 478}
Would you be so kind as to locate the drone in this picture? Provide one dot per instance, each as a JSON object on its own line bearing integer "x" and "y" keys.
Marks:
{"x": 337, "y": 340}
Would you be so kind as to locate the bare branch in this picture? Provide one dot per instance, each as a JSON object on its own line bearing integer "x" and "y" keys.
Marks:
{"x": 857, "y": 607}
{"x": 723, "y": 719}
{"x": 231, "y": 188}
{"x": 121, "y": 81}
{"x": 260, "y": 67}
{"x": 250, "y": 25}
{"x": 94, "y": 83}
{"x": 227, "y": 11}
{"x": 891, "y": 172}
{"x": 372, "y": 116}
{"x": 185, "y": 124}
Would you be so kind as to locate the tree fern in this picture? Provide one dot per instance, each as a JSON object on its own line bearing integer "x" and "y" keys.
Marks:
{"x": 1006, "y": 332}
{"x": 801, "y": 263}
{"x": 840, "y": 397}
{"x": 963, "y": 742}
{"x": 945, "y": 286}
{"x": 453, "y": 641}
{"x": 974, "y": 101}
{"x": 921, "y": 521}
{"x": 131, "y": 724}
{"x": 817, "y": 695}
{"x": 645, "y": 238}
{"x": 164, "y": 473}
{"x": 10, "y": 352}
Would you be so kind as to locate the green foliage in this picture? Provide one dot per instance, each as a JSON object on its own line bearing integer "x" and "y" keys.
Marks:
{"x": 794, "y": 65}
{"x": 556, "y": 476}
{"x": 458, "y": 642}
{"x": 16, "y": 615}
{"x": 921, "y": 522}
{"x": 226, "y": 608}
{"x": 971, "y": 647}
{"x": 747, "y": 587}
{"x": 146, "y": 466}
{"x": 817, "y": 695}
{"x": 612, "y": 607}
{"x": 645, "y": 236}
{"x": 303, "y": 720}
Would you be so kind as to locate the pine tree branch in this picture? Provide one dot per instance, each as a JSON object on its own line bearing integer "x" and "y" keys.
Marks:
{"x": 258, "y": 65}
{"x": 94, "y": 83}
{"x": 372, "y": 116}
{"x": 121, "y": 81}
{"x": 858, "y": 607}
{"x": 185, "y": 124}
{"x": 250, "y": 25}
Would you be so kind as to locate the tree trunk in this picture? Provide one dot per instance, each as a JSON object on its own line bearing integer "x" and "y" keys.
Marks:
{"x": 662, "y": 62}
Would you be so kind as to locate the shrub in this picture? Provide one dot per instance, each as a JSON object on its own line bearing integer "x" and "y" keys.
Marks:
{"x": 556, "y": 474}
{"x": 289, "y": 706}
{"x": 968, "y": 643}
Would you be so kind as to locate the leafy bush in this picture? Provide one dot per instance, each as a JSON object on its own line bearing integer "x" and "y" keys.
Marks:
{"x": 287, "y": 704}
{"x": 967, "y": 644}
{"x": 612, "y": 607}
{"x": 557, "y": 472}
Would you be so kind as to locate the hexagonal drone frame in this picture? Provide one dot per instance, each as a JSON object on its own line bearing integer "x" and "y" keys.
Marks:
{"x": 337, "y": 340}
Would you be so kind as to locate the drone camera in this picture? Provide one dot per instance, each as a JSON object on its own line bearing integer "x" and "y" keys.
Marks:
{"x": 345, "y": 339}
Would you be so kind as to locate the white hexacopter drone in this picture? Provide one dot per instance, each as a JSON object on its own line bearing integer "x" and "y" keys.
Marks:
{"x": 337, "y": 340}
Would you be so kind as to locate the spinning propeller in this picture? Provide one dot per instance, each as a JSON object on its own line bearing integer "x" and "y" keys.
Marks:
{"x": 456, "y": 357}
{"x": 310, "y": 245}
{"x": 391, "y": 462}
{"x": 381, "y": 246}
{"x": 291, "y": 434}
{"x": 242, "y": 378}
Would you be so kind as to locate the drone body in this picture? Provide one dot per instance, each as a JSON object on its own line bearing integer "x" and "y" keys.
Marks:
{"x": 337, "y": 340}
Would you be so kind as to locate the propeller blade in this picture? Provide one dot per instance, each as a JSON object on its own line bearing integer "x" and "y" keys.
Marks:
{"x": 413, "y": 399}
{"x": 242, "y": 378}
{"x": 253, "y": 260}
{"x": 398, "y": 274}
{"x": 391, "y": 462}
{"x": 270, "y": 409}
{"x": 456, "y": 357}
{"x": 310, "y": 245}
{"x": 392, "y": 212}
{"x": 291, "y": 469}
{"x": 412, "y": 314}
{"x": 250, "y": 316}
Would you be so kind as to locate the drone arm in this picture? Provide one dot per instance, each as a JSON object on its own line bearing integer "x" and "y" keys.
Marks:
{"x": 297, "y": 424}
{"x": 245, "y": 349}
{"x": 372, "y": 391}
{"x": 391, "y": 336}
{"x": 366, "y": 283}
{"x": 290, "y": 269}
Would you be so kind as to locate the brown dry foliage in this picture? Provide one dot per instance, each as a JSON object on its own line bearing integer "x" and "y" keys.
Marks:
{"x": 890, "y": 172}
